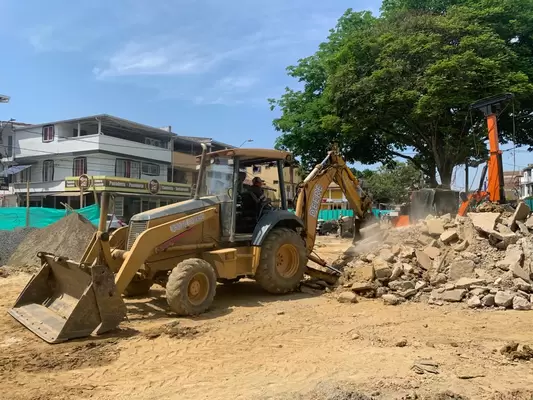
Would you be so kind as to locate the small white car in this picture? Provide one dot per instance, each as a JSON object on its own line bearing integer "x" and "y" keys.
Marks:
{"x": 114, "y": 223}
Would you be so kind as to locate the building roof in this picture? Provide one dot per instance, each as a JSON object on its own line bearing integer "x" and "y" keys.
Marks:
{"x": 121, "y": 123}
{"x": 253, "y": 156}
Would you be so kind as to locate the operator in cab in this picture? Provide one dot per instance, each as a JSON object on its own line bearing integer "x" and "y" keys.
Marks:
{"x": 257, "y": 187}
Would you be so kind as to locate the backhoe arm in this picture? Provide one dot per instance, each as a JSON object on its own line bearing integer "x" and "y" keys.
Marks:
{"x": 332, "y": 169}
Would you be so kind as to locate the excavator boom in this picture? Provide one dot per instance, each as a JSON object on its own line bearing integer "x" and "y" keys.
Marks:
{"x": 332, "y": 169}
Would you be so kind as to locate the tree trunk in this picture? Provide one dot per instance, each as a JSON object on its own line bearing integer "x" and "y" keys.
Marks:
{"x": 445, "y": 173}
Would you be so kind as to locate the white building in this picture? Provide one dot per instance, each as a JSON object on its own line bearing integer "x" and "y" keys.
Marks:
{"x": 119, "y": 156}
{"x": 526, "y": 182}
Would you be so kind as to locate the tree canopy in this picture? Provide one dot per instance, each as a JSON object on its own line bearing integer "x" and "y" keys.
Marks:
{"x": 391, "y": 184}
{"x": 404, "y": 81}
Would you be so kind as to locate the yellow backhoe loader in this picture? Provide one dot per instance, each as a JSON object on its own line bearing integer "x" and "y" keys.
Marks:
{"x": 223, "y": 234}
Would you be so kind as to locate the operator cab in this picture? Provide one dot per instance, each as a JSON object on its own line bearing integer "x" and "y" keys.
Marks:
{"x": 228, "y": 174}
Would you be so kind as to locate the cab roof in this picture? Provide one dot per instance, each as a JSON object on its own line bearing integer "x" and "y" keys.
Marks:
{"x": 252, "y": 156}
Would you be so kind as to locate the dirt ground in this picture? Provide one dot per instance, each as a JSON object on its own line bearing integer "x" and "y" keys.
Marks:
{"x": 257, "y": 346}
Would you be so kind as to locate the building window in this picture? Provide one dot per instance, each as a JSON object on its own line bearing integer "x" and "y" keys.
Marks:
{"x": 150, "y": 169}
{"x": 25, "y": 175}
{"x": 276, "y": 182}
{"x": 48, "y": 170}
{"x": 79, "y": 166}
{"x": 127, "y": 168}
{"x": 256, "y": 169}
{"x": 48, "y": 133}
{"x": 154, "y": 142}
{"x": 10, "y": 146}
{"x": 83, "y": 132}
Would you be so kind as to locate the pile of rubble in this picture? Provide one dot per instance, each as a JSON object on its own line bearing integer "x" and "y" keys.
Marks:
{"x": 485, "y": 260}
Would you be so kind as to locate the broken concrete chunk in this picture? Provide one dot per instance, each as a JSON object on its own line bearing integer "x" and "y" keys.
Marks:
{"x": 504, "y": 299}
{"x": 407, "y": 252}
{"x": 363, "y": 273}
{"x": 396, "y": 249}
{"x": 408, "y": 268}
{"x": 420, "y": 285}
{"x": 474, "y": 302}
{"x": 435, "y": 227}
{"x": 449, "y": 236}
{"x": 382, "y": 270}
{"x": 479, "y": 291}
{"x": 522, "y": 285}
{"x": 391, "y": 299}
{"x": 462, "y": 246}
{"x": 347, "y": 297}
{"x": 432, "y": 252}
{"x": 519, "y": 272}
{"x": 401, "y": 285}
{"x": 454, "y": 296}
{"x": 397, "y": 271}
{"x": 461, "y": 269}
{"x": 502, "y": 240}
{"x": 488, "y": 300}
{"x": 380, "y": 291}
{"x": 387, "y": 255}
{"x": 423, "y": 260}
{"x": 503, "y": 229}
{"x": 484, "y": 222}
{"x": 523, "y": 228}
{"x": 529, "y": 222}
{"x": 521, "y": 213}
{"x": 513, "y": 256}
{"x": 465, "y": 283}
{"x": 438, "y": 279}
{"x": 519, "y": 303}
{"x": 362, "y": 286}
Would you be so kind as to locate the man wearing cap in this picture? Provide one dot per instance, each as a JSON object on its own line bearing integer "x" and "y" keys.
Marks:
{"x": 257, "y": 189}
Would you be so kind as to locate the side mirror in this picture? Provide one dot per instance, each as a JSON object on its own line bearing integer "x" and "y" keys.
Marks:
{"x": 463, "y": 196}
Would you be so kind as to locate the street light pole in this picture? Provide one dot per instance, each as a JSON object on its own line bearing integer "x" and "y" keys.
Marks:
{"x": 246, "y": 141}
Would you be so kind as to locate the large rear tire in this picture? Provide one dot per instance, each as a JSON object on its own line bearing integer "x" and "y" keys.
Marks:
{"x": 283, "y": 261}
{"x": 191, "y": 287}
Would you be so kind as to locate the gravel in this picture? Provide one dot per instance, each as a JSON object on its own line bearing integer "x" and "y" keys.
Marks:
{"x": 10, "y": 240}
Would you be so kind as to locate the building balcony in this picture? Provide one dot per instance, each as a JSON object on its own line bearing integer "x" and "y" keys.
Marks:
{"x": 33, "y": 146}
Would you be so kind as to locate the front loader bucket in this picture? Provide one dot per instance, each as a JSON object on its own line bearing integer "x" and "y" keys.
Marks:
{"x": 66, "y": 300}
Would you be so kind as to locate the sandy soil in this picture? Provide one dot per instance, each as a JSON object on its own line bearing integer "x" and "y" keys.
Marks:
{"x": 257, "y": 346}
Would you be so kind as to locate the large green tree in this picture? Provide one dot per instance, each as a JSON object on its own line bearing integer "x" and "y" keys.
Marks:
{"x": 401, "y": 85}
{"x": 392, "y": 184}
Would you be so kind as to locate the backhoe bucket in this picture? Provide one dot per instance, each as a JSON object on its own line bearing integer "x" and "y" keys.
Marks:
{"x": 66, "y": 300}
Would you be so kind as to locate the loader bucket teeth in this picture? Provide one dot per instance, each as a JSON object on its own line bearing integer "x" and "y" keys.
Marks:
{"x": 66, "y": 300}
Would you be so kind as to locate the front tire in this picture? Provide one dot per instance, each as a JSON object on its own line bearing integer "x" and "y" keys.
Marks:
{"x": 191, "y": 287}
{"x": 283, "y": 261}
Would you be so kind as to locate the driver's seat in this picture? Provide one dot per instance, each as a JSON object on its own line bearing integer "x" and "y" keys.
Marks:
{"x": 248, "y": 215}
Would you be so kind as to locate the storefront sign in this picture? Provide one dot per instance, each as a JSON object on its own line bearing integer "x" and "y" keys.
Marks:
{"x": 115, "y": 184}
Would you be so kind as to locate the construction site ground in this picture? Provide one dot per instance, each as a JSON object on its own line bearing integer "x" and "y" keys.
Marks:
{"x": 257, "y": 346}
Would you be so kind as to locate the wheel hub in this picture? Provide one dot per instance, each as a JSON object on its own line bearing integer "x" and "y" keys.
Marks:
{"x": 287, "y": 260}
{"x": 198, "y": 288}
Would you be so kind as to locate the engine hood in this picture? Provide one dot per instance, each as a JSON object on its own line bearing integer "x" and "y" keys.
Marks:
{"x": 187, "y": 206}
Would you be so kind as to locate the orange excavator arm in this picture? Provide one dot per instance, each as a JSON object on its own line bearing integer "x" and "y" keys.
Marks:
{"x": 332, "y": 169}
{"x": 490, "y": 106}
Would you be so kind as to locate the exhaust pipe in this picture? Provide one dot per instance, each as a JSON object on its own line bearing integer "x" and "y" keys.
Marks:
{"x": 201, "y": 172}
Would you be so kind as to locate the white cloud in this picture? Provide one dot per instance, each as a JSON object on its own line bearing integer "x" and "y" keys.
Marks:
{"x": 153, "y": 58}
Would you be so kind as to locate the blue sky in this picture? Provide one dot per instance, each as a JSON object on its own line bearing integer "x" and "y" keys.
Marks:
{"x": 206, "y": 67}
